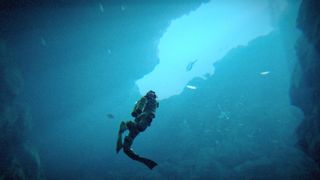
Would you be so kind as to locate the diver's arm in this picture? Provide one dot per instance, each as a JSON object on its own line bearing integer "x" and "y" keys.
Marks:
{"x": 142, "y": 103}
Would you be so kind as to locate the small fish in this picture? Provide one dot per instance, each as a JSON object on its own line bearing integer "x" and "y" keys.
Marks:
{"x": 43, "y": 42}
{"x": 191, "y": 87}
{"x": 109, "y": 51}
{"x": 190, "y": 65}
{"x": 264, "y": 73}
{"x": 110, "y": 116}
{"x": 101, "y": 7}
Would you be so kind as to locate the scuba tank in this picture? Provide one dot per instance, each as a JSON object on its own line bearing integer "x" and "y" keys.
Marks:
{"x": 139, "y": 107}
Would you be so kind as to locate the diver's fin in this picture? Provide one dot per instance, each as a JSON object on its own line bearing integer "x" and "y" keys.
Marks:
{"x": 119, "y": 142}
{"x": 148, "y": 162}
{"x": 122, "y": 128}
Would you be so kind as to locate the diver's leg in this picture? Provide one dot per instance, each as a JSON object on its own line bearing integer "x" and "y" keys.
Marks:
{"x": 122, "y": 128}
{"x": 128, "y": 141}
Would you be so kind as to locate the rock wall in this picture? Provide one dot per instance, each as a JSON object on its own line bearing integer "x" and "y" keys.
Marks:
{"x": 241, "y": 109}
{"x": 305, "y": 87}
{"x": 18, "y": 159}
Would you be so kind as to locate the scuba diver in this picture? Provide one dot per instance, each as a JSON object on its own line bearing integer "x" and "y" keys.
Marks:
{"x": 143, "y": 112}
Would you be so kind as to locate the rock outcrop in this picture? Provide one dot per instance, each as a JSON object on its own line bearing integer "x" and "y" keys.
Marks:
{"x": 18, "y": 159}
{"x": 305, "y": 87}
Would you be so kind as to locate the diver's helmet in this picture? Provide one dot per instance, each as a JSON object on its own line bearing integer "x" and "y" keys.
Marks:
{"x": 151, "y": 94}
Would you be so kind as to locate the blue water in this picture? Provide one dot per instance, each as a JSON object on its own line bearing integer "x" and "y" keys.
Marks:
{"x": 81, "y": 62}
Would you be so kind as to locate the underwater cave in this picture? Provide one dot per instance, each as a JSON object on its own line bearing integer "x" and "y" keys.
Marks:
{"x": 237, "y": 84}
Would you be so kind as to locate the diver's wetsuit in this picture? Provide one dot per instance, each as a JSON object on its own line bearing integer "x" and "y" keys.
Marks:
{"x": 144, "y": 112}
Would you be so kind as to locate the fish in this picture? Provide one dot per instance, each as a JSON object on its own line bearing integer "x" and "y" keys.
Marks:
{"x": 110, "y": 116}
{"x": 190, "y": 65}
{"x": 264, "y": 73}
{"x": 191, "y": 87}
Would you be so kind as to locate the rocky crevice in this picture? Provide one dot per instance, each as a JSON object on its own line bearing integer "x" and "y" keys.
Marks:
{"x": 305, "y": 85}
{"x": 18, "y": 158}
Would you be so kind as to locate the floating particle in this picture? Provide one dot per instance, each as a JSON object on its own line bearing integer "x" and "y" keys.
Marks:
{"x": 101, "y": 7}
{"x": 43, "y": 42}
{"x": 123, "y": 8}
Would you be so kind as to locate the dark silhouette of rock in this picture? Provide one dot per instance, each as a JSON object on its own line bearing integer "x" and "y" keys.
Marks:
{"x": 18, "y": 159}
{"x": 305, "y": 88}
